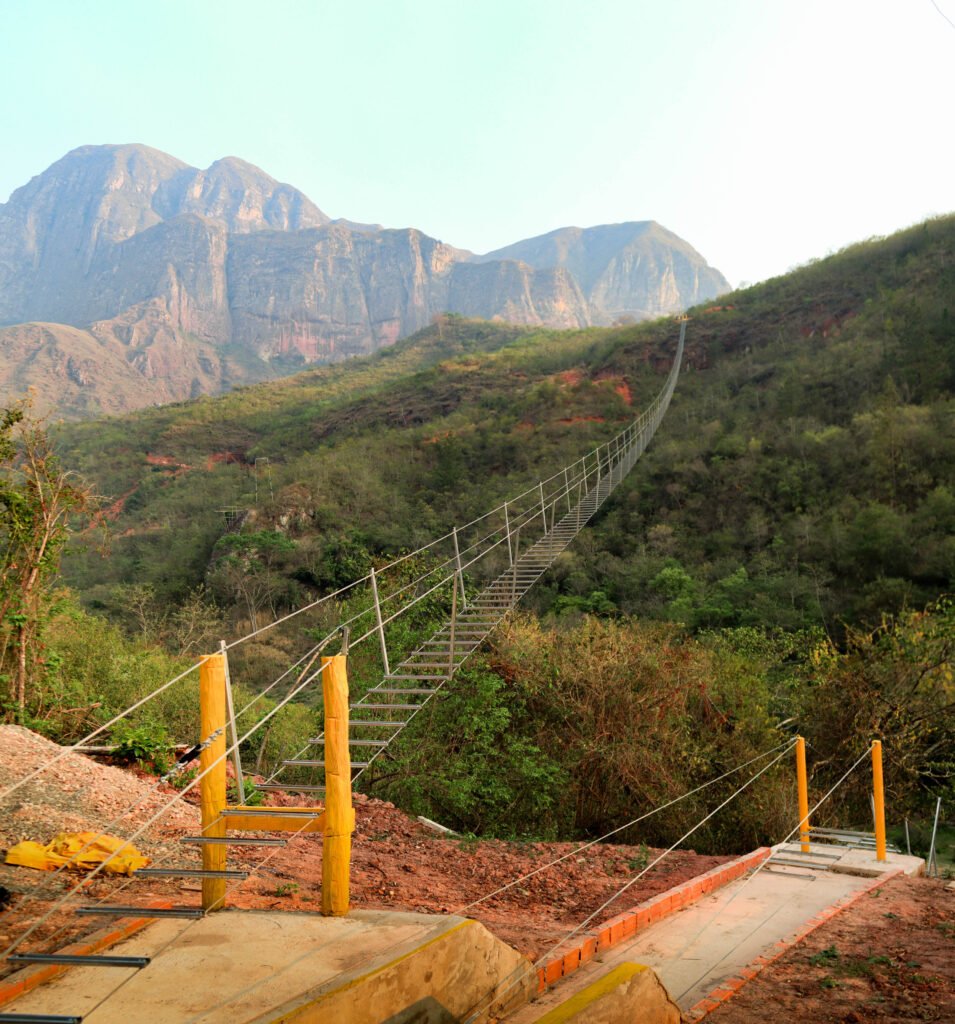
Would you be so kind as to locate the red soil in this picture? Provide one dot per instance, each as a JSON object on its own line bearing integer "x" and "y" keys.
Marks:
{"x": 890, "y": 957}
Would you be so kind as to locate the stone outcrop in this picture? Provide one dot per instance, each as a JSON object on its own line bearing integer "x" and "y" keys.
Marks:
{"x": 187, "y": 281}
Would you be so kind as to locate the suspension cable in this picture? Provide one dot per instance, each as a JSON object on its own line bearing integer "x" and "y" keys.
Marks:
{"x": 621, "y": 828}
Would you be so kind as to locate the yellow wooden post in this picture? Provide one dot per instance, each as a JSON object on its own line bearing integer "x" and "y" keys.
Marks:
{"x": 339, "y": 815}
{"x": 879, "y": 794}
{"x": 803, "y": 787}
{"x": 212, "y": 785}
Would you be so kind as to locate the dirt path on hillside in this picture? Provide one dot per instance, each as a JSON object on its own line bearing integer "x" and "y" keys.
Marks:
{"x": 890, "y": 957}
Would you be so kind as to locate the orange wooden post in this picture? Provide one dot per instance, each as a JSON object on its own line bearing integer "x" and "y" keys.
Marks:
{"x": 878, "y": 793}
{"x": 339, "y": 815}
{"x": 802, "y": 785}
{"x": 212, "y": 785}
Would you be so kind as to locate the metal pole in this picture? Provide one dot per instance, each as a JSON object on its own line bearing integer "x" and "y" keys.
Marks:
{"x": 212, "y": 782}
{"x": 543, "y": 507}
{"x": 460, "y": 574}
{"x": 507, "y": 530}
{"x": 802, "y": 785}
{"x": 931, "y": 851}
{"x": 567, "y": 488}
{"x": 454, "y": 622}
{"x": 908, "y": 840}
{"x": 339, "y": 815}
{"x": 381, "y": 625}
{"x": 517, "y": 544}
{"x": 230, "y": 708}
{"x": 879, "y": 794}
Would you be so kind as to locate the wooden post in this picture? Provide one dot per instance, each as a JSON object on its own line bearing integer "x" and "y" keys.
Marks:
{"x": 803, "y": 787}
{"x": 339, "y": 816}
{"x": 879, "y": 795}
{"x": 212, "y": 785}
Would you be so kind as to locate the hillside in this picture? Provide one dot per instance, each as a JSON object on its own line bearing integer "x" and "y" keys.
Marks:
{"x": 763, "y": 570}
{"x": 803, "y": 476}
{"x": 186, "y": 282}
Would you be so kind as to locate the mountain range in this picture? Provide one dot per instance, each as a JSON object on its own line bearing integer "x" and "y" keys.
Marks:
{"x": 129, "y": 278}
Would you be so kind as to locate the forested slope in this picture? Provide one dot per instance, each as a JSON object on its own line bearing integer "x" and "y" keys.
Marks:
{"x": 803, "y": 475}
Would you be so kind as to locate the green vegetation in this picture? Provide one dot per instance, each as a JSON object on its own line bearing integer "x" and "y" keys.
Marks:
{"x": 777, "y": 563}
{"x": 571, "y": 730}
{"x": 37, "y": 500}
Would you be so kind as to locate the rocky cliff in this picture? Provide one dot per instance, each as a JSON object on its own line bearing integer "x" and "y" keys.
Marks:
{"x": 637, "y": 269}
{"x": 163, "y": 281}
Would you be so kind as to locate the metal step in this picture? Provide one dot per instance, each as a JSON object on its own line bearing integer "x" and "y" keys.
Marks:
{"x": 429, "y": 664}
{"x": 288, "y": 788}
{"x": 188, "y": 873}
{"x": 78, "y": 960}
{"x": 413, "y": 676}
{"x": 273, "y": 812}
{"x": 384, "y": 707}
{"x": 790, "y": 874}
{"x": 813, "y": 853}
{"x": 234, "y": 840}
{"x": 107, "y": 911}
{"x": 312, "y": 764}
{"x": 400, "y": 690}
{"x": 468, "y": 644}
{"x": 38, "y": 1018}
{"x": 796, "y": 863}
{"x": 354, "y": 743}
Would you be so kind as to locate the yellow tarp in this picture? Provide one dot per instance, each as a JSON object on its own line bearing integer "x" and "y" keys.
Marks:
{"x": 80, "y": 850}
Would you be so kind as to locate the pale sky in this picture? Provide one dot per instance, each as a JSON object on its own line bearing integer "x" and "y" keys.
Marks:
{"x": 764, "y": 133}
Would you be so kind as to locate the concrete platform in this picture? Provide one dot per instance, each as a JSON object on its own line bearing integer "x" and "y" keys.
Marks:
{"x": 702, "y": 946}
{"x": 251, "y": 967}
{"x": 855, "y": 861}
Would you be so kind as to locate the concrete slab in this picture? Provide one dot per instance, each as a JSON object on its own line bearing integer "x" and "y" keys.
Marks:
{"x": 698, "y": 948}
{"x": 249, "y": 967}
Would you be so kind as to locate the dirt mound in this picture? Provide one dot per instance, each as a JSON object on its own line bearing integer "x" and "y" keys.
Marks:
{"x": 76, "y": 793}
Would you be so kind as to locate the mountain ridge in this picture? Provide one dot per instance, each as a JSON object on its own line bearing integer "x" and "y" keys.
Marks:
{"x": 162, "y": 259}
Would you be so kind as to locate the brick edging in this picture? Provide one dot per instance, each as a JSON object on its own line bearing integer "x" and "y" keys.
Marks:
{"x": 23, "y": 981}
{"x": 728, "y": 988}
{"x": 644, "y": 914}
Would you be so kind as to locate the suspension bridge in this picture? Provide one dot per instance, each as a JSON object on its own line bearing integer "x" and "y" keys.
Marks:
{"x": 479, "y": 571}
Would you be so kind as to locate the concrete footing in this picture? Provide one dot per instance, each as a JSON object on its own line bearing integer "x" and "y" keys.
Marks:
{"x": 630, "y": 992}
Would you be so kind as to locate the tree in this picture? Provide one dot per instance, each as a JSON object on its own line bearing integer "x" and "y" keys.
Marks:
{"x": 38, "y": 498}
